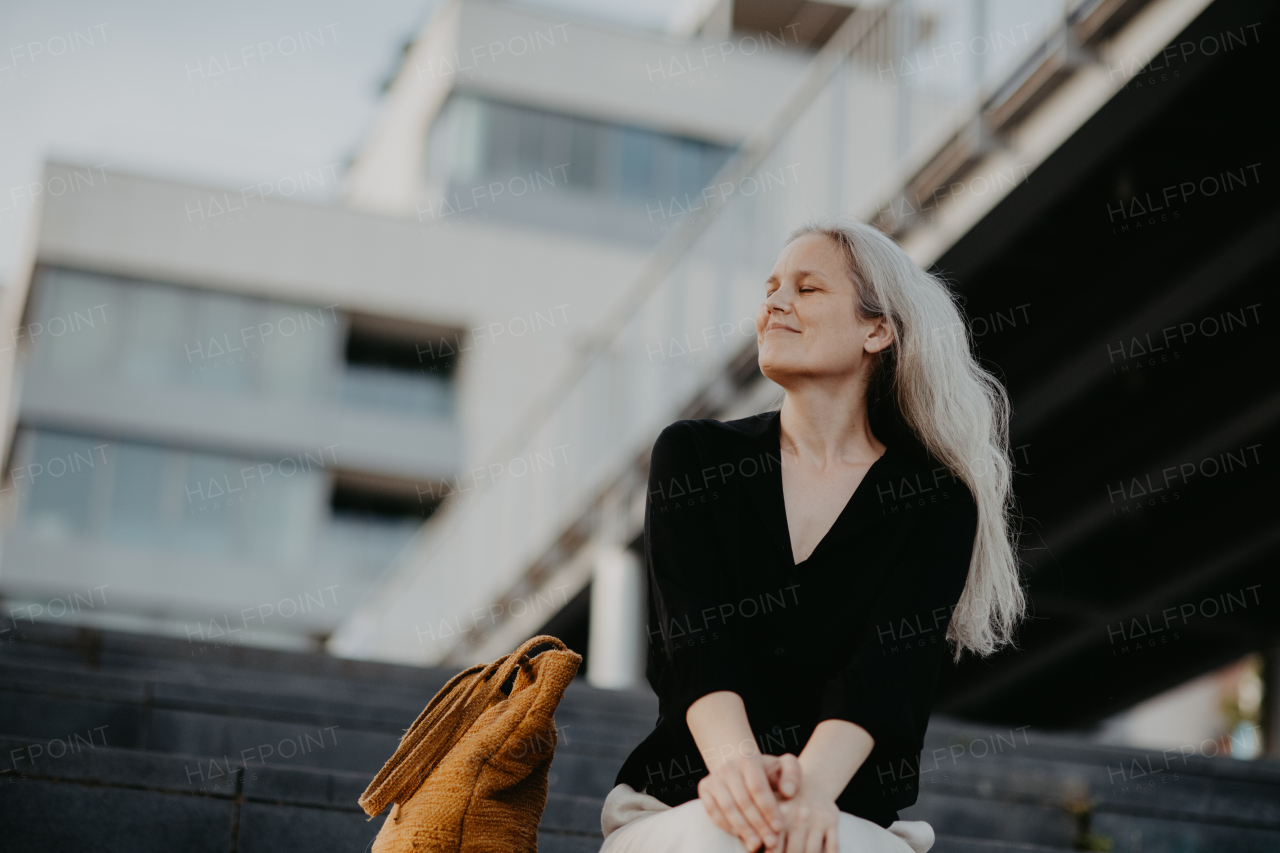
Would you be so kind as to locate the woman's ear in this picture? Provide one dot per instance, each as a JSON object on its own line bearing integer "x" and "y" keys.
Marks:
{"x": 881, "y": 335}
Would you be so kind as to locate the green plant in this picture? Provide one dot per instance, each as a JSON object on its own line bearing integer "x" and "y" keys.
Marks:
{"x": 1081, "y": 809}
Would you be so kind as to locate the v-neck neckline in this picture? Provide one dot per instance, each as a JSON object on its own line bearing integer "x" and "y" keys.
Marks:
{"x": 776, "y": 441}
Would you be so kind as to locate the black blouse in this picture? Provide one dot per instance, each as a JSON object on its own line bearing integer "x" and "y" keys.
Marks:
{"x": 855, "y": 632}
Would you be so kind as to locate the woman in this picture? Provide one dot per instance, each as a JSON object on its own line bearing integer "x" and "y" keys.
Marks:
{"x": 809, "y": 566}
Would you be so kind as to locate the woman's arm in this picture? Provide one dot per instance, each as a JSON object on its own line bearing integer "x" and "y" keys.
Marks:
{"x": 738, "y": 792}
{"x": 828, "y": 761}
{"x": 833, "y": 754}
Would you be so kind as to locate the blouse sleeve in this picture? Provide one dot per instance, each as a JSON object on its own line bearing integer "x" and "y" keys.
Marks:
{"x": 887, "y": 687}
{"x": 689, "y": 656}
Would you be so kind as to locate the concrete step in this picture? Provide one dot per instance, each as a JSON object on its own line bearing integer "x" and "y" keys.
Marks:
{"x": 114, "y": 649}
{"x": 129, "y": 698}
{"x": 297, "y": 699}
{"x": 971, "y": 745}
{"x": 1212, "y": 804}
{"x": 1169, "y": 794}
{"x": 1132, "y": 833}
{"x": 579, "y": 767}
{"x": 201, "y": 690}
{"x": 44, "y": 816}
{"x": 256, "y": 747}
{"x": 213, "y": 664}
{"x": 995, "y": 820}
{"x": 1053, "y": 771}
{"x": 587, "y": 757}
{"x": 958, "y": 844}
{"x": 93, "y": 796}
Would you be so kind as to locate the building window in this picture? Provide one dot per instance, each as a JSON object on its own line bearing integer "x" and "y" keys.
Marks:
{"x": 522, "y": 162}
{"x": 85, "y": 326}
{"x": 70, "y": 486}
{"x": 296, "y": 510}
{"x": 372, "y": 518}
{"x": 400, "y": 366}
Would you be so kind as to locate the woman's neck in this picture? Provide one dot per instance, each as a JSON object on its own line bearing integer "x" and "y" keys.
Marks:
{"x": 822, "y": 426}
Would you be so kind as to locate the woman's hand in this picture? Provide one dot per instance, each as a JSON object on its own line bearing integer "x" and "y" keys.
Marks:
{"x": 739, "y": 799}
{"x": 834, "y": 752}
{"x": 738, "y": 794}
{"x": 812, "y": 823}
{"x": 783, "y": 772}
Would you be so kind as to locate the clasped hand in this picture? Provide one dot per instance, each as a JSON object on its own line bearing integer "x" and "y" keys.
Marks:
{"x": 763, "y": 800}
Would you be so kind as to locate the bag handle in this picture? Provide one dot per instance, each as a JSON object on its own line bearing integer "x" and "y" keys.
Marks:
{"x": 520, "y": 657}
{"x": 415, "y": 757}
{"x": 415, "y": 750}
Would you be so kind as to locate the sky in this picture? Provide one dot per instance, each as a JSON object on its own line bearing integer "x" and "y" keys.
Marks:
{"x": 132, "y": 85}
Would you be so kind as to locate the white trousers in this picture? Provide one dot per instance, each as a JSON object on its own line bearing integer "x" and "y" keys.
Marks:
{"x": 633, "y": 822}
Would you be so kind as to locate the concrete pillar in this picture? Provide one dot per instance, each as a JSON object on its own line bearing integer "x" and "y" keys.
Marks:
{"x": 615, "y": 647}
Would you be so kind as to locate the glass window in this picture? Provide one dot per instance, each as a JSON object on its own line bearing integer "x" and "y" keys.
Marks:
{"x": 221, "y": 361}
{"x": 416, "y": 395}
{"x": 299, "y": 350}
{"x": 137, "y": 488}
{"x": 636, "y": 164}
{"x": 57, "y": 479}
{"x": 147, "y": 496}
{"x": 152, "y": 334}
{"x": 76, "y": 321}
{"x": 405, "y": 368}
{"x": 210, "y": 493}
{"x": 557, "y": 142}
{"x": 283, "y": 516}
{"x": 613, "y": 160}
{"x": 688, "y": 168}
{"x": 531, "y": 132}
{"x": 584, "y": 155}
{"x": 159, "y": 347}
{"x": 471, "y": 126}
{"x": 501, "y": 141}
{"x": 266, "y": 509}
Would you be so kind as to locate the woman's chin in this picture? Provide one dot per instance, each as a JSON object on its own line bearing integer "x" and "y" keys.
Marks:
{"x": 778, "y": 370}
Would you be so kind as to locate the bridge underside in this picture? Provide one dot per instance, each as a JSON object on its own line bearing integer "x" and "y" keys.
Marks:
{"x": 1124, "y": 294}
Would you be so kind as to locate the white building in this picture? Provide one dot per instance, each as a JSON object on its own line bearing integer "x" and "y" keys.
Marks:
{"x": 227, "y": 412}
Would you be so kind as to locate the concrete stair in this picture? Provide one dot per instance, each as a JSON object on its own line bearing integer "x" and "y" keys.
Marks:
{"x": 1054, "y": 792}
{"x": 112, "y": 741}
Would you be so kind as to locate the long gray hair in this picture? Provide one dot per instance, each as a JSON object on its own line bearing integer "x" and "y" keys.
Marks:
{"x": 936, "y": 389}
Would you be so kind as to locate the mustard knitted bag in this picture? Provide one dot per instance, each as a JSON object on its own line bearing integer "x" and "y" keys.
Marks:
{"x": 470, "y": 774}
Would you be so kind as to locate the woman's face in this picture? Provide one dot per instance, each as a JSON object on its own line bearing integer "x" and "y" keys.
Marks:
{"x": 808, "y": 325}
